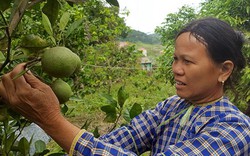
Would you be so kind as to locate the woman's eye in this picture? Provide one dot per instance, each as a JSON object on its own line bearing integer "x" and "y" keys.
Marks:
{"x": 187, "y": 62}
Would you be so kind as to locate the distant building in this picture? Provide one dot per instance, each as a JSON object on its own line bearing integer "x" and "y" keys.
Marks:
{"x": 146, "y": 64}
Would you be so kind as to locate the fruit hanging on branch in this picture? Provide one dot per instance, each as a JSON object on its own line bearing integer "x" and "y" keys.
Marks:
{"x": 59, "y": 62}
{"x": 62, "y": 90}
{"x": 33, "y": 43}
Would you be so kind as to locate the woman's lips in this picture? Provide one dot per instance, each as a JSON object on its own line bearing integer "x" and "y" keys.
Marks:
{"x": 179, "y": 84}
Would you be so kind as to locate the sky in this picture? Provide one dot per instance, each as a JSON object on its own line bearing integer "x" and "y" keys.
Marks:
{"x": 145, "y": 15}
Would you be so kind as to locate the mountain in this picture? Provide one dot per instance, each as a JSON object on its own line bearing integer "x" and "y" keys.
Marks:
{"x": 138, "y": 36}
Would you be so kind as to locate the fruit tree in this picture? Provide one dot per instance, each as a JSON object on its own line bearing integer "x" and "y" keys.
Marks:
{"x": 47, "y": 36}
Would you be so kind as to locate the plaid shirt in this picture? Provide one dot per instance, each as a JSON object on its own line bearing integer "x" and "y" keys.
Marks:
{"x": 215, "y": 129}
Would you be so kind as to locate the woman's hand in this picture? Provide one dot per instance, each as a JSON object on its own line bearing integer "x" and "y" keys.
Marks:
{"x": 37, "y": 102}
{"x": 29, "y": 96}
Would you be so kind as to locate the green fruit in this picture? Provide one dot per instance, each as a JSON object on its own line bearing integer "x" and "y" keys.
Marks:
{"x": 62, "y": 90}
{"x": 33, "y": 43}
{"x": 59, "y": 62}
{"x": 78, "y": 63}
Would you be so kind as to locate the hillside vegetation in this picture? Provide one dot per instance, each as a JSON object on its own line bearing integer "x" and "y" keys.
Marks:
{"x": 138, "y": 36}
{"x": 150, "y": 42}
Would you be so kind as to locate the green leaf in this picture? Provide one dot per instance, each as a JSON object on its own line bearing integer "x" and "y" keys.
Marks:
{"x": 46, "y": 24}
{"x": 110, "y": 118}
{"x": 24, "y": 146}
{"x": 64, "y": 21}
{"x": 73, "y": 26}
{"x": 248, "y": 9}
{"x": 135, "y": 110}
{"x": 53, "y": 39}
{"x": 122, "y": 96}
{"x": 248, "y": 98}
{"x": 51, "y": 9}
{"x": 40, "y": 146}
{"x": 64, "y": 108}
{"x": 108, "y": 109}
{"x": 110, "y": 113}
{"x": 9, "y": 141}
{"x": 110, "y": 100}
{"x": 96, "y": 133}
{"x": 5, "y": 4}
{"x": 113, "y": 2}
{"x": 2, "y": 57}
{"x": 126, "y": 115}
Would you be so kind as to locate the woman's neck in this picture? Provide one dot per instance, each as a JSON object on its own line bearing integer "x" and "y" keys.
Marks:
{"x": 208, "y": 102}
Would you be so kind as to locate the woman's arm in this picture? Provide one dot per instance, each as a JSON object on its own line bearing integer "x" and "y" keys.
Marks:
{"x": 37, "y": 102}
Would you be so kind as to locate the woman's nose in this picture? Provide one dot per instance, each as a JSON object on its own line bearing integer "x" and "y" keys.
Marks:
{"x": 177, "y": 69}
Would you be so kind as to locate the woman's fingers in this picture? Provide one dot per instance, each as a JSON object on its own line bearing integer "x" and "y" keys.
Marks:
{"x": 2, "y": 92}
{"x": 9, "y": 85}
{"x": 8, "y": 88}
{"x": 33, "y": 81}
{"x": 17, "y": 70}
{"x": 19, "y": 80}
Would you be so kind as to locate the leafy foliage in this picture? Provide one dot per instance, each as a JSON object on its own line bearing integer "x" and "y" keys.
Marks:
{"x": 114, "y": 109}
{"x": 54, "y": 22}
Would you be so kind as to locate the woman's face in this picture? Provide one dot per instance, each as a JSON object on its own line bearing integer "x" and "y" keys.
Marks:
{"x": 196, "y": 75}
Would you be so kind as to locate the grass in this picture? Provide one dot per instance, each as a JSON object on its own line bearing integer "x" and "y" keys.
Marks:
{"x": 145, "y": 91}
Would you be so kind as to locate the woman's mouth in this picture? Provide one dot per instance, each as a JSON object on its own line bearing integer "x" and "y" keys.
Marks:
{"x": 179, "y": 84}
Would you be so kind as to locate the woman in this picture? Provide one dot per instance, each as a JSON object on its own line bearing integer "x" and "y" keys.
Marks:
{"x": 199, "y": 120}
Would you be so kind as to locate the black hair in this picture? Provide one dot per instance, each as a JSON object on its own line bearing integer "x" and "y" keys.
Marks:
{"x": 221, "y": 40}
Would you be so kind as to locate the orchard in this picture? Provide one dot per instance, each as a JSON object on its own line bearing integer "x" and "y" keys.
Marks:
{"x": 46, "y": 35}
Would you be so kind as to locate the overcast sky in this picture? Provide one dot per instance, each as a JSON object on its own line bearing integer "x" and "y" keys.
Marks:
{"x": 145, "y": 15}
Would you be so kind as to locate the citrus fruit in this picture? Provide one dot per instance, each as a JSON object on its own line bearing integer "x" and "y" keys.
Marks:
{"x": 78, "y": 63}
{"x": 33, "y": 43}
{"x": 62, "y": 90}
{"x": 59, "y": 62}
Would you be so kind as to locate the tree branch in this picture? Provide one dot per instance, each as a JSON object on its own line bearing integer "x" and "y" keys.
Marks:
{"x": 7, "y": 60}
{"x": 17, "y": 15}
{"x": 34, "y": 2}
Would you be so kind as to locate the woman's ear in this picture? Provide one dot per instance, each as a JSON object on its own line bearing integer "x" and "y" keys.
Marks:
{"x": 226, "y": 70}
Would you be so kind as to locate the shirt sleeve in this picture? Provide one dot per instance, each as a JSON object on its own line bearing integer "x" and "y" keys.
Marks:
{"x": 86, "y": 144}
{"x": 226, "y": 134}
{"x": 127, "y": 140}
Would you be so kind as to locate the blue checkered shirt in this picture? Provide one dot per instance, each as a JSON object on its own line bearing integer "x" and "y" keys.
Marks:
{"x": 215, "y": 129}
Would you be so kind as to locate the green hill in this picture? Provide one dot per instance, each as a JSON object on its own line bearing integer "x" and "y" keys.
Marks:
{"x": 138, "y": 36}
